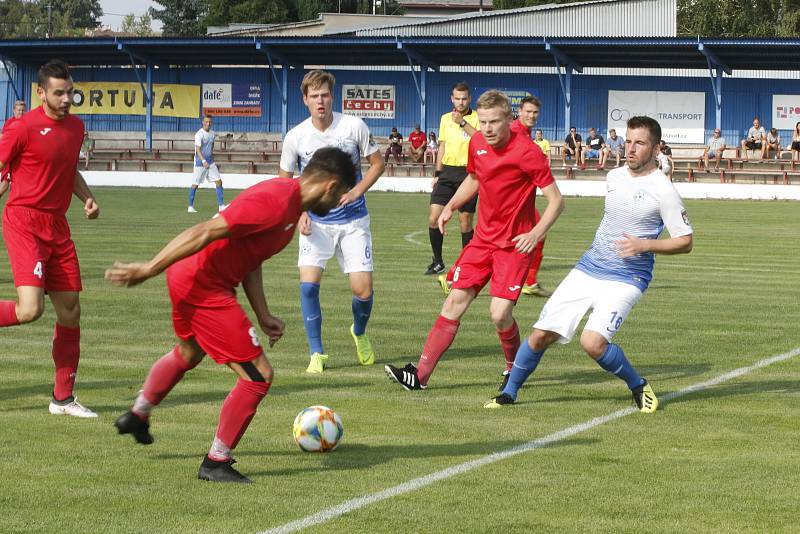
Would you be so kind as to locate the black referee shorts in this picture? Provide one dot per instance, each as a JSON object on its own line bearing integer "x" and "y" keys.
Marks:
{"x": 449, "y": 181}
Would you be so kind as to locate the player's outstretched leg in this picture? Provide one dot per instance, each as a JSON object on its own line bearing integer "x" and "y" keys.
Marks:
{"x": 66, "y": 355}
{"x": 192, "y": 194}
{"x": 439, "y": 340}
{"x": 312, "y": 320}
{"x": 525, "y": 362}
{"x": 361, "y": 283}
{"x": 613, "y": 360}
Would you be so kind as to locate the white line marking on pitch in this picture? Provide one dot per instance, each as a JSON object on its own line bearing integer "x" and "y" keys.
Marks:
{"x": 410, "y": 237}
{"x": 418, "y": 483}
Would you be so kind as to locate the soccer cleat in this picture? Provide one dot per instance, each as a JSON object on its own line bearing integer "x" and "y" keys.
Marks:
{"x": 366, "y": 356}
{"x": 645, "y": 398}
{"x": 536, "y": 289}
{"x": 221, "y": 208}
{"x": 221, "y": 472}
{"x": 444, "y": 284}
{"x": 406, "y": 377}
{"x": 70, "y": 406}
{"x": 436, "y": 267}
{"x": 191, "y": 210}
{"x": 506, "y": 375}
{"x": 499, "y": 401}
{"x": 130, "y": 423}
{"x": 317, "y": 363}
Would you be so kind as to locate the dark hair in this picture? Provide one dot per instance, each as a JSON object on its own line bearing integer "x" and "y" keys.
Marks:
{"x": 55, "y": 68}
{"x": 649, "y": 124}
{"x": 331, "y": 161}
{"x": 207, "y": 116}
{"x": 530, "y": 99}
{"x": 462, "y": 86}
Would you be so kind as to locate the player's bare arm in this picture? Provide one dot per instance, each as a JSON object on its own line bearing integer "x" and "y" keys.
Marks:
{"x": 82, "y": 191}
{"x": 526, "y": 242}
{"x": 632, "y": 245}
{"x": 465, "y": 192}
{"x": 376, "y": 167}
{"x": 253, "y": 286}
{"x": 184, "y": 244}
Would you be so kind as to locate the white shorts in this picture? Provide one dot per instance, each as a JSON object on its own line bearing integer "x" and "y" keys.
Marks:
{"x": 351, "y": 242}
{"x": 210, "y": 174}
{"x": 611, "y": 302}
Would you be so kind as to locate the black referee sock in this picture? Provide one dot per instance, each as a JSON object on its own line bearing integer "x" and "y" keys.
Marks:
{"x": 437, "y": 239}
{"x": 466, "y": 237}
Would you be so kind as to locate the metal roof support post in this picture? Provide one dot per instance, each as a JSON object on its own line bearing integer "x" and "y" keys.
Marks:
{"x": 564, "y": 79}
{"x": 715, "y": 71}
{"x": 283, "y": 84}
{"x": 148, "y": 120}
{"x": 420, "y": 83}
{"x": 423, "y": 109}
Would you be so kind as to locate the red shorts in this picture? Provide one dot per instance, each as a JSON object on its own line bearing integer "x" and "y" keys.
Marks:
{"x": 40, "y": 250}
{"x": 220, "y": 326}
{"x": 480, "y": 262}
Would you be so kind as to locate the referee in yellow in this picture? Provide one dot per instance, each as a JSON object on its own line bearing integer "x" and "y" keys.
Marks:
{"x": 455, "y": 129}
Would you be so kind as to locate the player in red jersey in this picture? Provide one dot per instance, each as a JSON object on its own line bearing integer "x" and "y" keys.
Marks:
{"x": 5, "y": 174}
{"x": 506, "y": 168}
{"x": 204, "y": 265}
{"x": 529, "y": 108}
{"x": 42, "y": 149}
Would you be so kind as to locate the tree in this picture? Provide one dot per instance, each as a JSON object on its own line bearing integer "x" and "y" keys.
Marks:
{"x": 141, "y": 27}
{"x": 20, "y": 19}
{"x": 181, "y": 18}
{"x": 71, "y": 14}
{"x": 742, "y": 18}
{"x": 222, "y": 12}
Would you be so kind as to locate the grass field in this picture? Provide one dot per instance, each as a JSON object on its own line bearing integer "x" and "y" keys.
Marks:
{"x": 725, "y": 459}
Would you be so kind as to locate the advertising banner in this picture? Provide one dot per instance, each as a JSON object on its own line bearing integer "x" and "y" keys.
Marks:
{"x": 232, "y": 100}
{"x": 680, "y": 114}
{"x": 785, "y": 111}
{"x": 123, "y": 98}
{"x": 369, "y": 101}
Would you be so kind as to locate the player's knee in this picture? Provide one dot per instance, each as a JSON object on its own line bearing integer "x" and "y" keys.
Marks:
{"x": 27, "y": 312}
{"x": 594, "y": 345}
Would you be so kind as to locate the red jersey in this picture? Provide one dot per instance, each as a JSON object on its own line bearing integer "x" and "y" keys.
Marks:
{"x": 11, "y": 120}
{"x": 520, "y": 128}
{"x": 507, "y": 180}
{"x": 261, "y": 222}
{"x": 44, "y": 155}
{"x": 417, "y": 139}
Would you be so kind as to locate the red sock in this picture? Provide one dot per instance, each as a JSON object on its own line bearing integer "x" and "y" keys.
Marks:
{"x": 439, "y": 339}
{"x": 163, "y": 375}
{"x": 238, "y": 410}
{"x": 509, "y": 340}
{"x": 66, "y": 353}
{"x": 533, "y": 271}
{"x": 8, "y": 313}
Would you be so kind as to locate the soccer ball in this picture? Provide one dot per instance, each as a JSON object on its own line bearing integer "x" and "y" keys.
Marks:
{"x": 317, "y": 429}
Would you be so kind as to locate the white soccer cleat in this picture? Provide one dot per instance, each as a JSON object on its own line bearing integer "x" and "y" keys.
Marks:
{"x": 74, "y": 408}
{"x": 191, "y": 210}
{"x": 221, "y": 208}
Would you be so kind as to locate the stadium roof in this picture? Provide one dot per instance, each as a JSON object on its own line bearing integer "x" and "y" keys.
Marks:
{"x": 733, "y": 54}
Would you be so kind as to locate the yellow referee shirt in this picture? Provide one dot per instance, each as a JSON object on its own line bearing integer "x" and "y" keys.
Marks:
{"x": 456, "y": 140}
{"x": 544, "y": 144}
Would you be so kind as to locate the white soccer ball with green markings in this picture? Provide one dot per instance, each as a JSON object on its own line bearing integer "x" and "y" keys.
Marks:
{"x": 317, "y": 429}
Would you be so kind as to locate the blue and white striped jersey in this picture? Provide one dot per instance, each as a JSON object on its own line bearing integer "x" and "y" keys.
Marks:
{"x": 640, "y": 206}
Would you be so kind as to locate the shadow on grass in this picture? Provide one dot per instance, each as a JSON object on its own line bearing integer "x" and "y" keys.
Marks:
{"x": 739, "y": 388}
{"x": 358, "y": 456}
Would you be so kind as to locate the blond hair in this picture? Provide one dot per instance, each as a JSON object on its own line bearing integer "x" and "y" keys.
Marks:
{"x": 494, "y": 99}
{"x": 315, "y": 79}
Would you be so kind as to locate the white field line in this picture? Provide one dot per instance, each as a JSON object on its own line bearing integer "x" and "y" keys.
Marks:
{"x": 418, "y": 483}
{"x": 410, "y": 237}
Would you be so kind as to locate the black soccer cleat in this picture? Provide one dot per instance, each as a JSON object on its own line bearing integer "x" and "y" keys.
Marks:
{"x": 436, "y": 267}
{"x": 406, "y": 377}
{"x": 214, "y": 471}
{"x": 506, "y": 375}
{"x": 129, "y": 423}
{"x": 499, "y": 401}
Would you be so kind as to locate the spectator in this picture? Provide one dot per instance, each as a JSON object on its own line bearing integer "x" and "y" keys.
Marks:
{"x": 796, "y": 143}
{"x": 755, "y": 140}
{"x": 594, "y": 148}
{"x": 418, "y": 143}
{"x": 432, "y": 148}
{"x": 773, "y": 143}
{"x": 664, "y": 158}
{"x": 395, "y": 147}
{"x": 572, "y": 146}
{"x": 87, "y": 147}
{"x": 615, "y": 146}
{"x": 543, "y": 143}
{"x": 714, "y": 149}
{"x": 5, "y": 174}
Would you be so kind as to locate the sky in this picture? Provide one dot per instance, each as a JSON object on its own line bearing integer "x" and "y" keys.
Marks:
{"x": 113, "y": 10}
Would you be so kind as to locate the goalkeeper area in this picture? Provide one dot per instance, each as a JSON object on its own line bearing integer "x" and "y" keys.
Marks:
{"x": 722, "y": 456}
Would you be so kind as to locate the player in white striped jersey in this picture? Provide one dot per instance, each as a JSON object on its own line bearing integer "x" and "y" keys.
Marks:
{"x": 612, "y": 275}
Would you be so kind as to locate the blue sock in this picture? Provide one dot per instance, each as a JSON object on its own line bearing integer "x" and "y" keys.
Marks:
{"x": 312, "y": 315}
{"x": 525, "y": 363}
{"x": 615, "y": 362}
{"x": 192, "y": 193}
{"x": 361, "y": 312}
{"x": 220, "y": 196}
